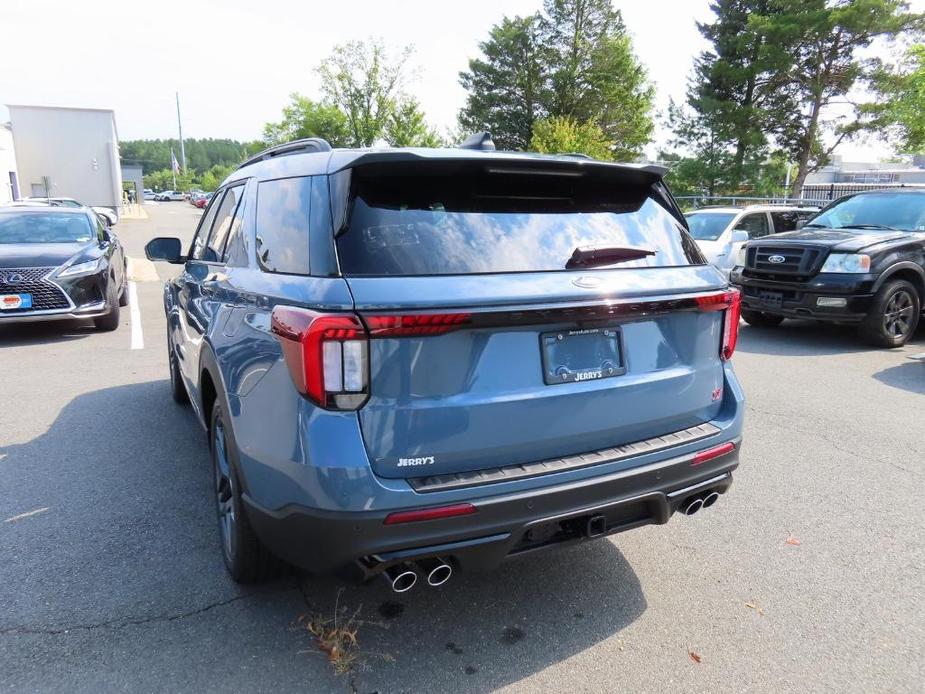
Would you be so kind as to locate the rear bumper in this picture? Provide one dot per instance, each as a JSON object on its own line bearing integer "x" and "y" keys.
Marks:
{"x": 801, "y": 299}
{"x": 504, "y": 526}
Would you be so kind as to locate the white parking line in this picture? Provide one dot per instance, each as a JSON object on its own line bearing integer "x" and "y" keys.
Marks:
{"x": 26, "y": 515}
{"x": 138, "y": 339}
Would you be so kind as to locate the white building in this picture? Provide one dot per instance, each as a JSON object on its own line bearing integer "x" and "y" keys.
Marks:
{"x": 9, "y": 181}
{"x": 67, "y": 152}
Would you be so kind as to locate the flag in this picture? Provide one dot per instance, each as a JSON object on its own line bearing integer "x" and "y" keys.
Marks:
{"x": 174, "y": 164}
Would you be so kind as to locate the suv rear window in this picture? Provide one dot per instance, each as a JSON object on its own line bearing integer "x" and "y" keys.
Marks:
{"x": 484, "y": 222}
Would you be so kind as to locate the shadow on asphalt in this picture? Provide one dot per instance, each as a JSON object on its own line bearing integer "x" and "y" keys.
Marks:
{"x": 130, "y": 537}
{"x": 907, "y": 376}
{"x": 44, "y": 332}
{"x": 807, "y": 338}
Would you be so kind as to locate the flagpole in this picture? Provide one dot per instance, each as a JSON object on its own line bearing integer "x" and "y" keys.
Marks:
{"x": 180, "y": 128}
{"x": 173, "y": 169}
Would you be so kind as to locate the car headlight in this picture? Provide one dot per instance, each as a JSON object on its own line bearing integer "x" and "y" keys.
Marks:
{"x": 87, "y": 268}
{"x": 847, "y": 263}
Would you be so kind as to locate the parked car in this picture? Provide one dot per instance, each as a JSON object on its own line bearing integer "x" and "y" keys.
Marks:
{"x": 860, "y": 261}
{"x": 203, "y": 200}
{"x": 59, "y": 262}
{"x": 110, "y": 216}
{"x": 721, "y": 231}
{"x": 148, "y": 194}
{"x": 415, "y": 361}
{"x": 168, "y": 195}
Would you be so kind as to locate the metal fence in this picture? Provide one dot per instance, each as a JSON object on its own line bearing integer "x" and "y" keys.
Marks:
{"x": 698, "y": 201}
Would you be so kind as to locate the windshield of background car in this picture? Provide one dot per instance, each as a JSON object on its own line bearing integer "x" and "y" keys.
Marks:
{"x": 897, "y": 210}
{"x": 45, "y": 228}
{"x": 477, "y": 223}
{"x": 708, "y": 226}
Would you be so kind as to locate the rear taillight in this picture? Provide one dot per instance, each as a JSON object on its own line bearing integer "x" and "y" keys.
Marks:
{"x": 327, "y": 355}
{"x": 415, "y": 324}
{"x": 730, "y": 302}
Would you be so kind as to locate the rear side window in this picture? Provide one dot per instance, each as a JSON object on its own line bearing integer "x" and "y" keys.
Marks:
{"x": 479, "y": 222}
{"x": 282, "y": 238}
{"x": 787, "y": 220}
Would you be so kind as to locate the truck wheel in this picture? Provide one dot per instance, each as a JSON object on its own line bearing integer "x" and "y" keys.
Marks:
{"x": 248, "y": 561}
{"x": 893, "y": 315}
{"x": 762, "y": 320}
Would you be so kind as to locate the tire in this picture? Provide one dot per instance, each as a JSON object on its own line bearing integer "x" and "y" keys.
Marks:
{"x": 123, "y": 295}
{"x": 247, "y": 560}
{"x": 759, "y": 319}
{"x": 893, "y": 315}
{"x": 177, "y": 387}
{"x": 109, "y": 321}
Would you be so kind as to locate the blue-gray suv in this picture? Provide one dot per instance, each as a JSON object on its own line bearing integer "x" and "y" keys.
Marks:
{"x": 413, "y": 361}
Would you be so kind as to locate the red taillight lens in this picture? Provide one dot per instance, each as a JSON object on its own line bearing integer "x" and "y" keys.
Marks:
{"x": 712, "y": 453}
{"x": 423, "y": 514}
{"x": 327, "y": 355}
{"x": 415, "y": 324}
{"x": 731, "y": 303}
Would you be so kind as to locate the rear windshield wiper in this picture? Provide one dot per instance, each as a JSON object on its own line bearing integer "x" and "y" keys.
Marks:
{"x": 594, "y": 256}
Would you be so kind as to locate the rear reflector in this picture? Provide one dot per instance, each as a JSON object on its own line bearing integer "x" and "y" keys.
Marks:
{"x": 712, "y": 453}
{"x": 424, "y": 514}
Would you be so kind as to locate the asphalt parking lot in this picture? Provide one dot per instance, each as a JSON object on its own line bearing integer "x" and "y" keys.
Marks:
{"x": 808, "y": 576}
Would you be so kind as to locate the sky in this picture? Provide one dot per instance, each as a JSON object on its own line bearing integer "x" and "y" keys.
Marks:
{"x": 234, "y": 62}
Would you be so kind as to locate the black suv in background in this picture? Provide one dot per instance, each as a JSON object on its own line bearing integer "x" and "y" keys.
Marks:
{"x": 861, "y": 260}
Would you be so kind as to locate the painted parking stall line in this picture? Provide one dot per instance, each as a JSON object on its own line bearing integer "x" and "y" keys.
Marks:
{"x": 138, "y": 339}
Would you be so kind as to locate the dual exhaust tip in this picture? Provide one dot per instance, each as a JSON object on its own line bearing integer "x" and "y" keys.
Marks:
{"x": 694, "y": 503}
{"x": 403, "y": 577}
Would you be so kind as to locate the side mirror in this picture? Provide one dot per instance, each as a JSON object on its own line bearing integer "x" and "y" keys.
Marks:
{"x": 166, "y": 249}
{"x": 739, "y": 236}
{"x": 800, "y": 224}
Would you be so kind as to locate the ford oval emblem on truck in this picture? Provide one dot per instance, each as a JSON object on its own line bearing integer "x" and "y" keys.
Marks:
{"x": 776, "y": 259}
{"x": 588, "y": 282}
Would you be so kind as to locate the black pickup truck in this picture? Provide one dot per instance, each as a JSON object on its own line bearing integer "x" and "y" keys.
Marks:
{"x": 861, "y": 260}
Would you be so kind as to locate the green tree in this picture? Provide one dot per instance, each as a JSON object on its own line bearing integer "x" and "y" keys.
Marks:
{"x": 594, "y": 74}
{"x": 725, "y": 90}
{"x": 164, "y": 180}
{"x": 564, "y": 135}
{"x": 815, "y": 47}
{"x": 706, "y": 169}
{"x": 507, "y": 88}
{"x": 366, "y": 84}
{"x": 303, "y": 118}
{"x": 573, "y": 60}
{"x": 406, "y": 127}
{"x": 213, "y": 178}
{"x": 898, "y": 111}
{"x": 201, "y": 154}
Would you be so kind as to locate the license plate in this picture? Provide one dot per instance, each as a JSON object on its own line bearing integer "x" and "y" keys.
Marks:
{"x": 570, "y": 356}
{"x": 771, "y": 299}
{"x": 8, "y": 302}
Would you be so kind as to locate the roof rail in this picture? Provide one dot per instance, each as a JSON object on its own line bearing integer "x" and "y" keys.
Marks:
{"x": 308, "y": 144}
{"x": 481, "y": 141}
